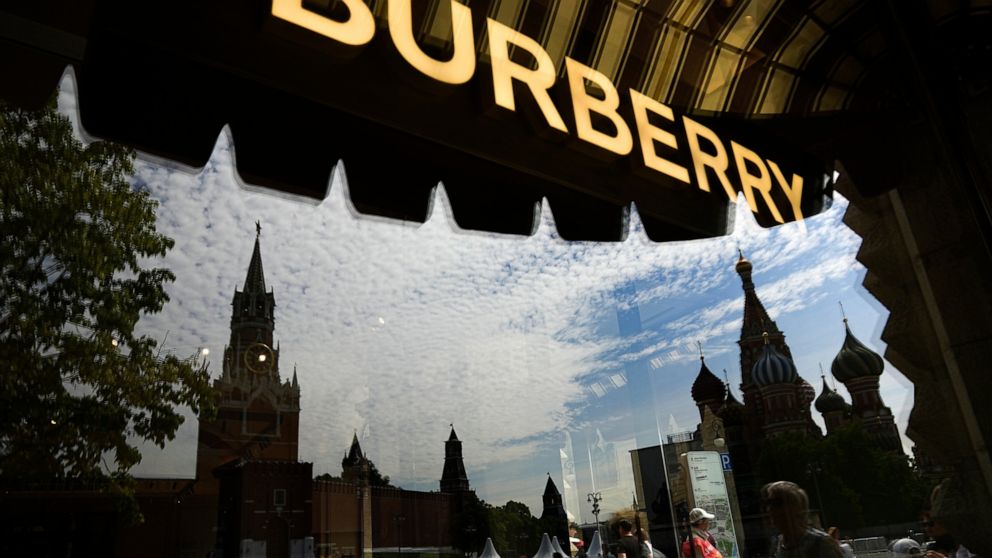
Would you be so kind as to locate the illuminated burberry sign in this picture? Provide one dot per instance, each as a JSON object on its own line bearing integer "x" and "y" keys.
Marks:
{"x": 735, "y": 168}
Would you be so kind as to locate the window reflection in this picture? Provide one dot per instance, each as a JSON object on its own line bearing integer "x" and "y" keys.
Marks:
{"x": 569, "y": 370}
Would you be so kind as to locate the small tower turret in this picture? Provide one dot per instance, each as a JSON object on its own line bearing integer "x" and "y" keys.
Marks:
{"x": 453, "y": 479}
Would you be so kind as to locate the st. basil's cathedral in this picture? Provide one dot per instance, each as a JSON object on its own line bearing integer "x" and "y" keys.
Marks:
{"x": 779, "y": 401}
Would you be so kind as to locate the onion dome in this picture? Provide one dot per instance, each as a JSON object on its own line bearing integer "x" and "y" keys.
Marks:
{"x": 732, "y": 411}
{"x": 707, "y": 386}
{"x": 743, "y": 266}
{"x": 829, "y": 400}
{"x": 773, "y": 367}
{"x": 806, "y": 392}
{"x": 855, "y": 360}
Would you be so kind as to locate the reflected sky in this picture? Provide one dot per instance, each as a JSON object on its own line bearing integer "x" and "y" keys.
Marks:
{"x": 541, "y": 352}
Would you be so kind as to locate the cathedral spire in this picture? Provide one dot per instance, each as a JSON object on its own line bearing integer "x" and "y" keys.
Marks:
{"x": 757, "y": 330}
{"x": 756, "y": 319}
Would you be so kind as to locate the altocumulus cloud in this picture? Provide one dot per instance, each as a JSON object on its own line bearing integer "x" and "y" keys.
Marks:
{"x": 397, "y": 329}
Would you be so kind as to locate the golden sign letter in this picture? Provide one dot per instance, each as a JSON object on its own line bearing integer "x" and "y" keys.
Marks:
{"x": 356, "y": 31}
{"x": 648, "y": 134}
{"x": 462, "y": 64}
{"x": 700, "y": 159}
{"x": 751, "y": 182}
{"x": 538, "y": 80}
{"x": 583, "y": 104}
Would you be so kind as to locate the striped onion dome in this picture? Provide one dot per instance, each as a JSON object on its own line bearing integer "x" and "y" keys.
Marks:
{"x": 829, "y": 400}
{"x": 773, "y": 367}
{"x": 855, "y": 360}
{"x": 707, "y": 386}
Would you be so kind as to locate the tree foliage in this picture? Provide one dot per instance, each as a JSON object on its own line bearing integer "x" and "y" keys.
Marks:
{"x": 471, "y": 526}
{"x": 514, "y": 530}
{"x": 376, "y": 478}
{"x": 859, "y": 483}
{"x": 78, "y": 385}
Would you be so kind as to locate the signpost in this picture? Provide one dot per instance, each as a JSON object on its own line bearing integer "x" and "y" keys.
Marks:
{"x": 708, "y": 490}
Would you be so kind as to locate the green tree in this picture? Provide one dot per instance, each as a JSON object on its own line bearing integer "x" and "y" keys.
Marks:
{"x": 514, "y": 530}
{"x": 471, "y": 525}
{"x": 859, "y": 483}
{"x": 78, "y": 386}
{"x": 375, "y": 477}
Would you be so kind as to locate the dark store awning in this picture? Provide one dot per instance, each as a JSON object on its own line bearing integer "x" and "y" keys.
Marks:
{"x": 797, "y": 83}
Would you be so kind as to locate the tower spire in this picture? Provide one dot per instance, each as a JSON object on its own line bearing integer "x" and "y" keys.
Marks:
{"x": 255, "y": 279}
{"x": 757, "y": 330}
{"x": 253, "y": 309}
{"x": 756, "y": 319}
{"x": 453, "y": 477}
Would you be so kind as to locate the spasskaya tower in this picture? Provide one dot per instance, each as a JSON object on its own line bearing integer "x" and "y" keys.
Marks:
{"x": 257, "y": 412}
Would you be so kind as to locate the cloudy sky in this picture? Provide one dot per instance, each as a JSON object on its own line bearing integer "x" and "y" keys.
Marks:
{"x": 530, "y": 346}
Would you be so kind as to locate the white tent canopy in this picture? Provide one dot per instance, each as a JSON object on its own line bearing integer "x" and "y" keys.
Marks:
{"x": 546, "y": 550}
{"x": 595, "y": 546}
{"x": 489, "y": 551}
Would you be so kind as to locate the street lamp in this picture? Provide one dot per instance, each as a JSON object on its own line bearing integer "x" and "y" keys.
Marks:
{"x": 595, "y": 497}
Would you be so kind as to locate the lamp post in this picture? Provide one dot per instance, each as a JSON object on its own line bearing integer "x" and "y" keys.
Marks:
{"x": 595, "y": 498}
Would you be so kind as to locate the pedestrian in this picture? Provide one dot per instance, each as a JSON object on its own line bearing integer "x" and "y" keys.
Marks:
{"x": 629, "y": 546}
{"x": 788, "y": 507}
{"x": 700, "y": 543}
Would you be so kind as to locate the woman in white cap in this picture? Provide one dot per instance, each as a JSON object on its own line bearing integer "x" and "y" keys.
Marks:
{"x": 700, "y": 543}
